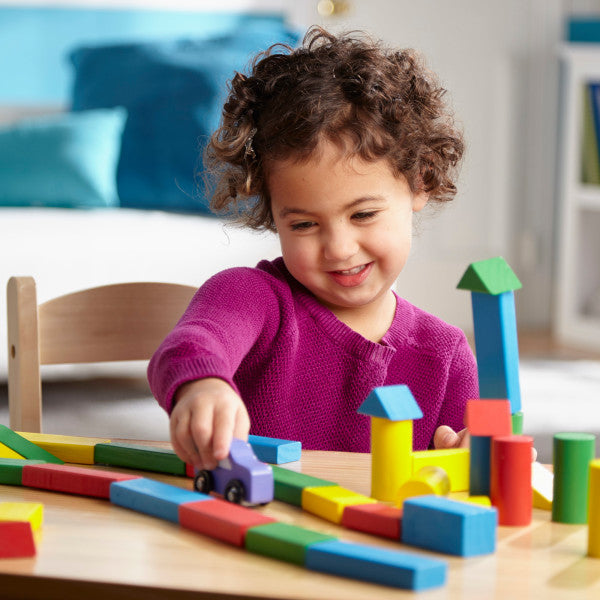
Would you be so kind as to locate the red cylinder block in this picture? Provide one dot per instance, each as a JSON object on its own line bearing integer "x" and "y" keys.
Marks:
{"x": 510, "y": 479}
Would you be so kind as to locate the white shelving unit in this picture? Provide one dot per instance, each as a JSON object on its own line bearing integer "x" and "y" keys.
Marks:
{"x": 577, "y": 314}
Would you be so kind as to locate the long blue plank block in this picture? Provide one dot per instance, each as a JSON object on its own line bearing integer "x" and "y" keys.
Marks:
{"x": 369, "y": 563}
{"x": 275, "y": 451}
{"x": 153, "y": 497}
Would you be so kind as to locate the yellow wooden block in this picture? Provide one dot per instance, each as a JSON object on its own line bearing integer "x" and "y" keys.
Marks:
{"x": 6, "y": 452}
{"x": 329, "y": 502}
{"x": 22, "y": 511}
{"x": 391, "y": 457}
{"x": 429, "y": 480}
{"x": 464, "y": 497}
{"x": 70, "y": 449}
{"x": 455, "y": 461}
{"x": 542, "y": 484}
{"x": 594, "y": 510}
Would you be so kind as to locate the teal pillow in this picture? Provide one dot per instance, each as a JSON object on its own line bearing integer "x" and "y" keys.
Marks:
{"x": 64, "y": 160}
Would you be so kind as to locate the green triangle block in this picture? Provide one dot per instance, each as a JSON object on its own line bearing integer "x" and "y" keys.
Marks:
{"x": 24, "y": 447}
{"x": 492, "y": 276}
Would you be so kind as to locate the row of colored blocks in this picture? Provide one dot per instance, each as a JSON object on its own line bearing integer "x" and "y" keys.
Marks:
{"x": 431, "y": 522}
{"x": 233, "y": 524}
{"x": 72, "y": 449}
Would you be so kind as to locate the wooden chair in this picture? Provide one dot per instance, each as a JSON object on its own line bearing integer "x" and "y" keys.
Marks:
{"x": 108, "y": 323}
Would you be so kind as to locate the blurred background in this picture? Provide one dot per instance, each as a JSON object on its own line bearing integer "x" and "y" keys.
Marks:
{"x": 127, "y": 203}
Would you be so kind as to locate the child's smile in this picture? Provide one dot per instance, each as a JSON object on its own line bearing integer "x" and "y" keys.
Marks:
{"x": 345, "y": 228}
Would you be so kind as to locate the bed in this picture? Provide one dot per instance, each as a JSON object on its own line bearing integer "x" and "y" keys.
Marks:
{"x": 103, "y": 117}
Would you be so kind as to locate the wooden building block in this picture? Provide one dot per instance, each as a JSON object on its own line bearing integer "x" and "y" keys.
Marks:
{"x": 6, "y": 452}
{"x": 289, "y": 485}
{"x": 221, "y": 520}
{"x": 329, "y": 502}
{"x": 376, "y": 519}
{"x": 443, "y": 525}
{"x": 282, "y": 541}
{"x": 153, "y": 497}
{"x": 24, "y": 447}
{"x": 480, "y": 457}
{"x": 275, "y": 451}
{"x": 429, "y": 480}
{"x": 517, "y": 422}
{"x": 496, "y": 347}
{"x": 68, "y": 448}
{"x": 542, "y": 484}
{"x": 510, "y": 479}
{"x": 33, "y": 512}
{"x": 488, "y": 417}
{"x": 455, "y": 461}
{"x": 594, "y": 510}
{"x": 83, "y": 481}
{"x": 16, "y": 539}
{"x": 138, "y": 456}
{"x": 11, "y": 469}
{"x": 573, "y": 453}
{"x": 377, "y": 565}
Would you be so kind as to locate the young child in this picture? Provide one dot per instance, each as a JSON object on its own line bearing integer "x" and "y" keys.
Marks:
{"x": 334, "y": 146}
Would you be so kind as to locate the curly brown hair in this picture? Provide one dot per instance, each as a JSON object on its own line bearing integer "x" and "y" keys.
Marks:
{"x": 348, "y": 89}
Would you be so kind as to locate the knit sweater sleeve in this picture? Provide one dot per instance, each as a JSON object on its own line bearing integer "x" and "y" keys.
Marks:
{"x": 462, "y": 385}
{"x": 225, "y": 318}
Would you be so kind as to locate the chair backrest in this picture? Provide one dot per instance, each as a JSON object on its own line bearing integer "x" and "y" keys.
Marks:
{"x": 109, "y": 323}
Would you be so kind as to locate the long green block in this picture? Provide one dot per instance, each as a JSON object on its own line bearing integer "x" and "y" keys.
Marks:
{"x": 282, "y": 541}
{"x": 573, "y": 453}
{"x": 26, "y": 448}
{"x": 289, "y": 484}
{"x": 11, "y": 469}
{"x": 137, "y": 456}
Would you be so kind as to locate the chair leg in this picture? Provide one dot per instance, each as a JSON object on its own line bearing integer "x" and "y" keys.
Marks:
{"x": 24, "y": 385}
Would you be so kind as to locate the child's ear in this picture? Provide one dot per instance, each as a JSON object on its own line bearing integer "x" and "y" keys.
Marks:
{"x": 419, "y": 200}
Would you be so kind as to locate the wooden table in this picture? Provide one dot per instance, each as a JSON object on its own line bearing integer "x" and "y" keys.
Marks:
{"x": 89, "y": 549}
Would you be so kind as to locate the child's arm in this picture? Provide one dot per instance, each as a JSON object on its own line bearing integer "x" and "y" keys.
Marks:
{"x": 207, "y": 414}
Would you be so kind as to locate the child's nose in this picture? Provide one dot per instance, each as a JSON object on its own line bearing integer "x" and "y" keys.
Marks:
{"x": 339, "y": 245}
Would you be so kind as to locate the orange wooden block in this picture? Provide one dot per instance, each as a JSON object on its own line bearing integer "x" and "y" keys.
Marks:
{"x": 377, "y": 519}
{"x": 488, "y": 417}
{"x": 72, "y": 480}
{"x": 220, "y": 519}
{"x": 16, "y": 539}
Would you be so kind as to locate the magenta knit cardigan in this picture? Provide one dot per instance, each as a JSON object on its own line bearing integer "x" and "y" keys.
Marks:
{"x": 301, "y": 372}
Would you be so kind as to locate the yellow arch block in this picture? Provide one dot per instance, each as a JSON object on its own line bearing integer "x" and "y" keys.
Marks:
{"x": 455, "y": 461}
{"x": 429, "y": 480}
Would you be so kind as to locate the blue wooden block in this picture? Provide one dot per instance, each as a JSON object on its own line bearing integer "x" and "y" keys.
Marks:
{"x": 496, "y": 346}
{"x": 369, "y": 563}
{"x": 443, "y": 525}
{"x": 275, "y": 451}
{"x": 153, "y": 497}
{"x": 479, "y": 465}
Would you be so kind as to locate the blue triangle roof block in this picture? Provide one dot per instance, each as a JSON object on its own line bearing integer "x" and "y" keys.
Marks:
{"x": 393, "y": 402}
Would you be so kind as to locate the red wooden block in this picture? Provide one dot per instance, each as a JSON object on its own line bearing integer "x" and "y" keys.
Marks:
{"x": 221, "y": 519}
{"x": 377, "y": 519}
{"x": 72, "y": 480}
{"x": 190, "y": 471}
{"x": 488, "y": 417}
{"x": 510, "y": 479}
{"x": 16, "y": 539}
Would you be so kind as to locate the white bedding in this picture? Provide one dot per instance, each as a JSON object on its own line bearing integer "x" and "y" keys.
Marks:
{"x": 66, "y": 250}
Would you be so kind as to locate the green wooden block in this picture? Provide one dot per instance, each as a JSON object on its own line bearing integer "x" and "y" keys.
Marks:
{"x": 517, "y": 423}
{"x": 11, "y": 469}
{"x": 26, "y": 448}
{"x": 491, "y": 276}
{"x": 283, "y": 541}
{"x": 573, "y": 453}
{"x": 137, "y": 456}
{"x": 289, "y": 484}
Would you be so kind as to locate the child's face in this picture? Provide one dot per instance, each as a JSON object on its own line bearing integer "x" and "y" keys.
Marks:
{"x": 345, "y": 227}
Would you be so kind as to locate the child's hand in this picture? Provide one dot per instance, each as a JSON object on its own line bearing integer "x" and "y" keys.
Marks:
{"x": 445, "y": 437}
{"x": 208, "y": 413}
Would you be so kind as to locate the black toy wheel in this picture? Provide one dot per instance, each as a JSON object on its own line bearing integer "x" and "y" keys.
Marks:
{"x": 204, "y": 482}
{"x": 235, "y": 491}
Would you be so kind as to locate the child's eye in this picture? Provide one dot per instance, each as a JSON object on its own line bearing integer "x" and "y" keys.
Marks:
{"x": 364, "y": 215}
{"x": 302, "y": 226}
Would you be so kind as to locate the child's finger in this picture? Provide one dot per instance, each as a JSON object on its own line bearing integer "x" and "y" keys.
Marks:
{"x": 445, "y": 437}
{"x": 201, "y": 428}
{"x": 223, "y": 432}
{"x": 241, "y": 427}
{"x": 182, "y": 441}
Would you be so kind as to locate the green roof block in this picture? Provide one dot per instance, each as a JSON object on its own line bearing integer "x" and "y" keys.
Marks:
{"x": 492, "y": 276}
